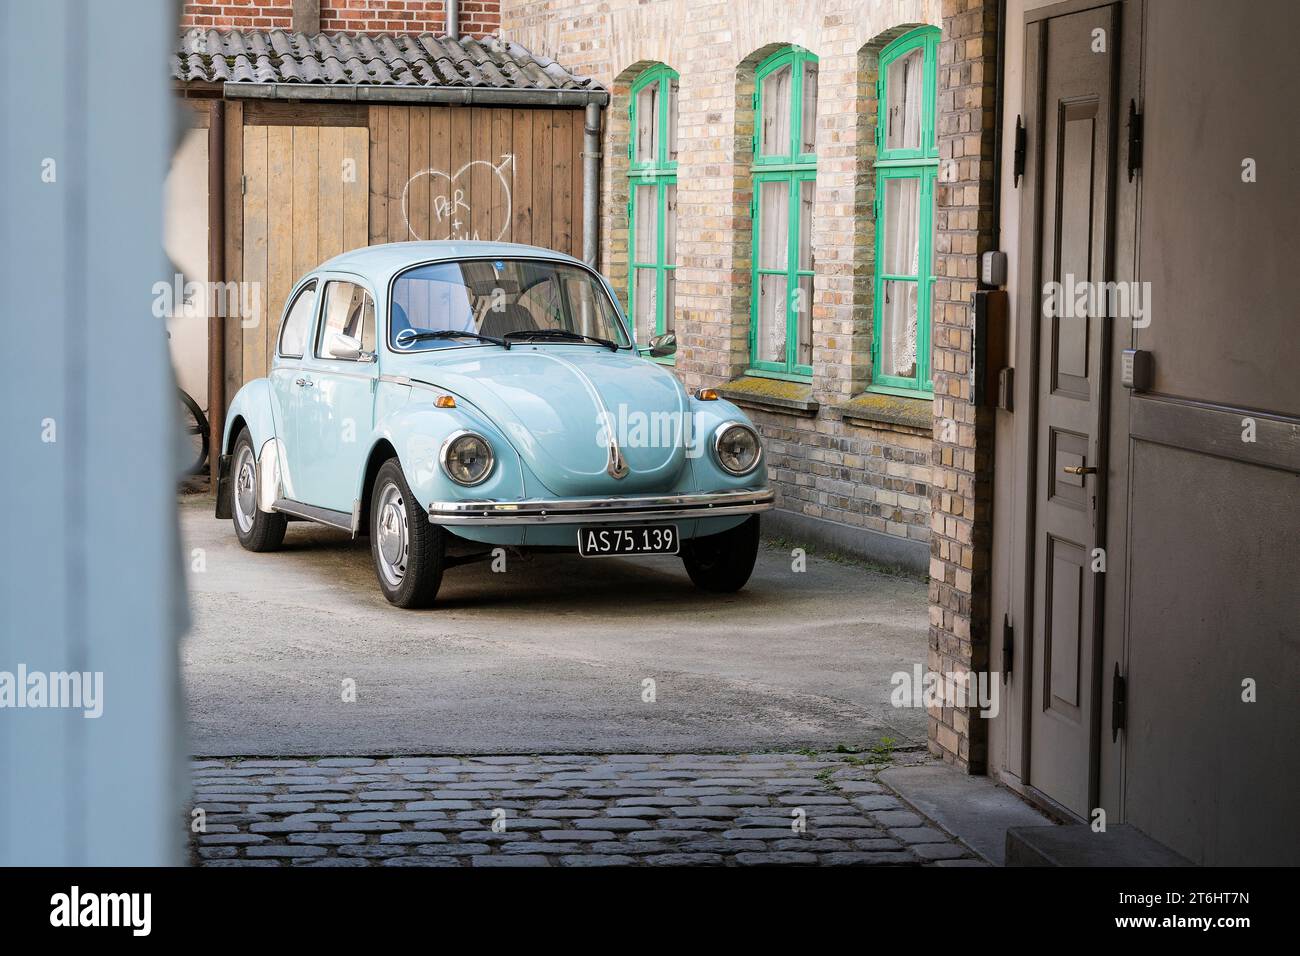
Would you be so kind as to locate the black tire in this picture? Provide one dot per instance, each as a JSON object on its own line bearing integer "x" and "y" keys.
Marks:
{"x": 722, "y": 563}
{"x": 417, "y": 545}
{"x": 195, "y": 425}
{"x": 265, "y": 530}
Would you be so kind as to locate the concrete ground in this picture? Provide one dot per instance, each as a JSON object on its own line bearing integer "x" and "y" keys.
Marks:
{"x": 550, "y": 657}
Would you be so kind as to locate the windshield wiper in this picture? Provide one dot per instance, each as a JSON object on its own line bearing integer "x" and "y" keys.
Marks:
{"x": 409, "y": 336}
{"x": 559, "y": 334}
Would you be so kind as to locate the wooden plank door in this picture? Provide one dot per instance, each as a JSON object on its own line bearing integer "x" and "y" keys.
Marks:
{"x": 305, "y": 201}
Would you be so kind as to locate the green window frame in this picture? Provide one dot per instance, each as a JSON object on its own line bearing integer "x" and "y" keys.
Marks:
{"x": 784, "y": 170}
{"x": 652, "y": 204}
{"x": 906, "y": 168}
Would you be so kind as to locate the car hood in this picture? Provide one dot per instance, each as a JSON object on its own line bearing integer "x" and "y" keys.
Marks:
{"x": 559, "y": 406}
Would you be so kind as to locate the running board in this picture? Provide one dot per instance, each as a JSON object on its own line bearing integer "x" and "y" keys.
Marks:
{"x": 334, "y": 519}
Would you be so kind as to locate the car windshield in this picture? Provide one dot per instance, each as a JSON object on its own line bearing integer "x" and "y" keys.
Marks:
{"x": 490, "y": 299}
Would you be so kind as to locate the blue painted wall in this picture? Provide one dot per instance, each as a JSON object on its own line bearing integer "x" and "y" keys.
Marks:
{"x": 90, "y": 568}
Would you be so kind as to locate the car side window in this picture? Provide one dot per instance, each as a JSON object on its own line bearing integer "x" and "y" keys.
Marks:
{"x": 297, "y": 322}
{"x": 350, "y": 311}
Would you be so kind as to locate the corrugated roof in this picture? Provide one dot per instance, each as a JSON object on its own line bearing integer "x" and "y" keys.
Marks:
{"x": 360, "y": 59}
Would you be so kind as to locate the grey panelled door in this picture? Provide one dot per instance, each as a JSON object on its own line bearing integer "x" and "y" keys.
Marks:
{"x": 1074, "y": 115}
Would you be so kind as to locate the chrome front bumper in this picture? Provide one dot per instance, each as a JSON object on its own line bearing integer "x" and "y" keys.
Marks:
{"x": 718, "y": 504}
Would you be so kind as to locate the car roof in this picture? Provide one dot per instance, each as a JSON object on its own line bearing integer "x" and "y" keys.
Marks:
{"x": 380, "y": 263}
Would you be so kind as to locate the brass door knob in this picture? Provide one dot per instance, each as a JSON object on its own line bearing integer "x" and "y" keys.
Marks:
{"x": 1079, "y": 470}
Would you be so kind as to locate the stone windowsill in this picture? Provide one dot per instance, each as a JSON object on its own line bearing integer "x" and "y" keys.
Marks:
{"x": 771, "y": 395}
{"x": 896, "y": 412}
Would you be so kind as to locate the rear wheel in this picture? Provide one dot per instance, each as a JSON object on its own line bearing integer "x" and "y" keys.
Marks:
{"x": 257, "y": 530}
{"x": 195, "y": 425}
{"x": 407, "y": 549}
{"x": 723, "y": 562}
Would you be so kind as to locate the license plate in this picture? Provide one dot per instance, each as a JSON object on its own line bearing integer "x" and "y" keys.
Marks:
{"x": 599, "y": 541}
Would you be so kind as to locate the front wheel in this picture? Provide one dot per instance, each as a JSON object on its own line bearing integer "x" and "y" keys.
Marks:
{"x": 722, "y": 563}
{"x": 407, "y": 550}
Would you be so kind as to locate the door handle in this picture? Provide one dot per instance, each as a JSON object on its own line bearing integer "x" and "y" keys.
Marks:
{"x": 1079, "y": 470}
{"x": 304, "y": 383}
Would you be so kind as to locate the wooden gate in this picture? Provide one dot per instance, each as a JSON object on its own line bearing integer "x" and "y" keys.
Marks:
{"x": 304, "y": 201}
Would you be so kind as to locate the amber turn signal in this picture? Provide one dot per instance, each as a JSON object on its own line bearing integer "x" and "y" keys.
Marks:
{"x": 445, "y": 401}
{"x": 707, "y": 394}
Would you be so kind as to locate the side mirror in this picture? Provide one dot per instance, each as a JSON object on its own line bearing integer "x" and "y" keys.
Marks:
{"x": 342, "y": 346}
{"x": 661, "y": 346}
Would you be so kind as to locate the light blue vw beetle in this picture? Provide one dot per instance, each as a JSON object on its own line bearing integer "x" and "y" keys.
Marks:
{"x": 451, "y": 398}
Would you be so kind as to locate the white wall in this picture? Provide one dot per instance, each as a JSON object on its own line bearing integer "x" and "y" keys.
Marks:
{"x": 185, "y": 227}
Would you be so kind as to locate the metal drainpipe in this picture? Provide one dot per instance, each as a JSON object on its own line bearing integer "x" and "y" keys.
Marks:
{"x": 453, "y": 19}
{"x": 216, "y": 273}
{"x": 591, "y": 185}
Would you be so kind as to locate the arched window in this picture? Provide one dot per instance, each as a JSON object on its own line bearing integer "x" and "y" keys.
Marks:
{"x": 785, "y": 183}
{"x": 652, "y": 202}
{"x": 907, "y": 158}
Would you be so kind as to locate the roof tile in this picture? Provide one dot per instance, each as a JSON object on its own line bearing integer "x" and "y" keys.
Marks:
{"x": 277, "y": 56}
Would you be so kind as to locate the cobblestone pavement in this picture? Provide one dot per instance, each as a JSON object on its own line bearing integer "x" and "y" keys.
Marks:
{"x": 569, "y": 810}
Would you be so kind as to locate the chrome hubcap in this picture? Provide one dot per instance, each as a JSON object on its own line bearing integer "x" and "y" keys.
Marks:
{"x": 245, "y": 490}
{"x": 392, "y": 536}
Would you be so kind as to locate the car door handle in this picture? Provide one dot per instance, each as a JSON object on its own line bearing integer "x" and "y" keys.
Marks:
{"x": 305, "y": 382}
{"x": 1079, "y": 470}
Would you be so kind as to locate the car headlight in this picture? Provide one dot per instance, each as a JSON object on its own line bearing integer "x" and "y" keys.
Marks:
{"x": 737, "y": 448}
{"x": 466, "y": 458}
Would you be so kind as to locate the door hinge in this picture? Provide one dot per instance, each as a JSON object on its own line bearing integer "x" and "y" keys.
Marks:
{"x": 1008, "y": 646}
{"x": 1134, "y": 139}
{"x": 1018, "y": 157}
{"x": 243, "y": 185}
{"x": 1118, "y": 705}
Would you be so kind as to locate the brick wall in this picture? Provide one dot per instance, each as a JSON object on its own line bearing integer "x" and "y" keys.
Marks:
{"x": 961, "y": 499}
{"x": 477, "y": 17}
{"x": 845, "y": 461}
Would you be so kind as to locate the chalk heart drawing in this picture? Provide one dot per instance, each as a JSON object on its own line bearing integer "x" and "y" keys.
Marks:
{"x": 453, "y": 207}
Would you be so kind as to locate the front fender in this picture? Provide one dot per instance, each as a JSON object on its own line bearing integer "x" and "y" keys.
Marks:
{"x": 706, "y": 473}
{"x": 417, "y": 431}
{"x": 254, "y": 405}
